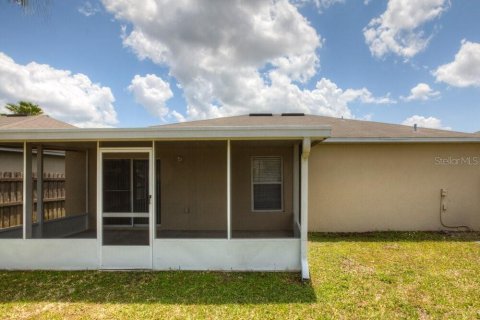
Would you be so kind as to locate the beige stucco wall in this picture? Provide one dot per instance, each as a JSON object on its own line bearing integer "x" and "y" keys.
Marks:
{"x": 92, "y": 188}
{"x": 242, "y": 216}
{"x": 75, "y": 183}
{"x": 367, "y": 187}
{"x": 193, "y": 190}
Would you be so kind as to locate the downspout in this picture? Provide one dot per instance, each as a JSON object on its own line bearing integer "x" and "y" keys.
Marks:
{"x": 306, "y": 147}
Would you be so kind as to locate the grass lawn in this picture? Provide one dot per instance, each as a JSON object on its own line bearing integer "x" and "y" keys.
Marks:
{"x": 377, "y": 275}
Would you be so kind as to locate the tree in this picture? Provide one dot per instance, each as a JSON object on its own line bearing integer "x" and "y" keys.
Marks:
{"x": 24, "y": 107}
{"x": 33, "y": 6}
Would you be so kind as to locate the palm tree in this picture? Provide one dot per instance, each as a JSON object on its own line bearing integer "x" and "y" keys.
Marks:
{"x": 32, "y": 6}
{"x": 24, "y": 108}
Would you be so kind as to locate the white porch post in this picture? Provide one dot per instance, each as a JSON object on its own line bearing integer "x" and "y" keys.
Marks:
{"x": 27, "y": 190}
{"x": 40, "y": 190}
{"x": 99, "y": 204}
{"x": 153, "y": 195}
{"x": 306, "y": 145}
{"x": 296, "y": 190}
{"x": 87, "y": 192}
{"x": 229, "y": 196}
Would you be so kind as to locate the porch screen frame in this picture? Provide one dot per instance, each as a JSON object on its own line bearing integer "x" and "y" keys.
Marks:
{"x": 151, "y": 185}
{"x": 132, "y": 214}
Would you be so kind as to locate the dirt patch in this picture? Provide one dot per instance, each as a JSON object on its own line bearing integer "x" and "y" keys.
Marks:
{"x": 350, "y": 265}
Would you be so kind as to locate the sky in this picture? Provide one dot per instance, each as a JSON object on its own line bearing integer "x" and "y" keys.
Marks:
{"x": 129, "y": 63}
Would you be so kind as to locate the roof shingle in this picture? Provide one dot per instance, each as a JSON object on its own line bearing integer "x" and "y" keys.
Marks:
{"x": 341, "y": 128}
{"x": 32, "y": 122}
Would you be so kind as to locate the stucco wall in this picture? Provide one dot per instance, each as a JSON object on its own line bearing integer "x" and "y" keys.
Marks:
{"x": 75, "y": 183}
{"x": 242, "y": 216}
{"x": 92, "y": 188}
{"x": 367, "y": 187}
{"x": 193, "y": 187}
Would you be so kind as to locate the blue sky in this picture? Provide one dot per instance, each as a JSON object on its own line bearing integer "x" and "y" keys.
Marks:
{"x": 116, "y": 63}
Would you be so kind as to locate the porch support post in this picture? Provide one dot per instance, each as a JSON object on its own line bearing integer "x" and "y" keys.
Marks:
{"x": 40, "y": 190}
{"x": 229, "y": 189}
{"x": 27, "y": 191}
{"x": 296, "y": 190}
{"x": 306, "y": 145}
{"x": 99, "y": 205}
{"x": 153, "y": 194}
{"x": 87, "y": 193}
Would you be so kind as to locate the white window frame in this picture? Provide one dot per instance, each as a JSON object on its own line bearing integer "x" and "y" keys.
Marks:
{"x": 252, "y": 184}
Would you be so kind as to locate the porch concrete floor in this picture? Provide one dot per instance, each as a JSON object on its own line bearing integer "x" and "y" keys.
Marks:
{"x": 218, "y": 234}
{"x": 191, "y": 234}
{"x": 241, "y": 234}
{"x": 140, "y": 236}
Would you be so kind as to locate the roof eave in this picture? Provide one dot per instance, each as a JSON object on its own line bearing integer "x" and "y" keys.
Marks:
{"x": 185, "y": 133}
{"x": 405, "y": 140}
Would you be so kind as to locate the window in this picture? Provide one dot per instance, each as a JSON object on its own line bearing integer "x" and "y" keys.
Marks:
{"x": 267, "y": 184}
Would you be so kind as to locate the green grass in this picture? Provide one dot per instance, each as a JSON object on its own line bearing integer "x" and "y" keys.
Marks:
{"x": 359, "y": 276}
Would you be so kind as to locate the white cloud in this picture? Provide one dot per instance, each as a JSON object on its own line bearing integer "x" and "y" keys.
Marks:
{"x": 425, "y": 122}
{"x": 364, "y": 95}
{"x": 320, "y": 4}
{"x": 399, "y": 29}
{"x": 422, "y": 92}
{"x": 88, "y": 9}
{"x": 464, "y": 70}
{"x": 61, "y": 94}
{"x": 151, "y": 92}
{"x": 236, "y": 58}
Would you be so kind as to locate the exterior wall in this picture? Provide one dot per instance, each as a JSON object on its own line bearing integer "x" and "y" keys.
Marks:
{"x": 220, "y": 254}
{"x": 243, "y": 218}
{"x": 369, "y": 187}
{"x": 193, "y": 190}
{"x": 180, "y": 254}
{"x": 49, "y": 254}
{"x": 75, "y": 183}
{"x": 92, "y": 188}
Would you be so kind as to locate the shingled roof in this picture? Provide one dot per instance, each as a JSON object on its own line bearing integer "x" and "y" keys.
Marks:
{"x": 341, "y": 128}
{"x": 32, "y": 122}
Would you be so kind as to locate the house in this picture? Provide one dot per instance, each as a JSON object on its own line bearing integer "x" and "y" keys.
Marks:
{"x": 236, "y": 193}
{"x": 11, "y": 160}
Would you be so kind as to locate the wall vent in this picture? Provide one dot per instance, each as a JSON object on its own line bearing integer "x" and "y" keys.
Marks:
{"x": 293, "y": 114}
{"x": 260, "y": 114}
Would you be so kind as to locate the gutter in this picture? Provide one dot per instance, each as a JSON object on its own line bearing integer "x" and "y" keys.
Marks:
{"x": 306, "y": 147}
